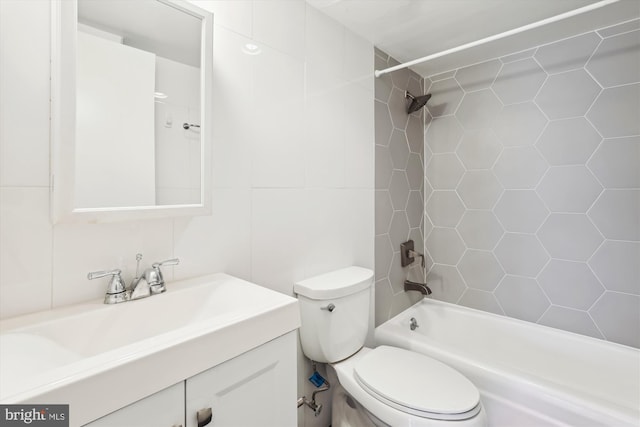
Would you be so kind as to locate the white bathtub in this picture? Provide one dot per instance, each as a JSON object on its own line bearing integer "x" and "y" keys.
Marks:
{"x": 528, "y": 375}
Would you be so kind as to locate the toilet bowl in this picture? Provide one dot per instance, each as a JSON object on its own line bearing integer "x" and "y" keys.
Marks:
{"x": 402, "y": 388}
{"x": 383, "y": 386}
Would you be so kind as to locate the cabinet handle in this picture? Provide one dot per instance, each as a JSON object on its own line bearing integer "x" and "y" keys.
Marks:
{"x": 177, "y": 425}
{"x": 204, "y": 417}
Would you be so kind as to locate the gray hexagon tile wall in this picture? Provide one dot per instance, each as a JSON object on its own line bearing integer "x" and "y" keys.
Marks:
{"x": 399, "y": 199}
{"x": 531, "y": 186}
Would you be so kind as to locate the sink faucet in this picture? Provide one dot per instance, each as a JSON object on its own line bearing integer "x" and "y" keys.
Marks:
{"x": 139, "y": 286}
{"x": 149, "y": 283}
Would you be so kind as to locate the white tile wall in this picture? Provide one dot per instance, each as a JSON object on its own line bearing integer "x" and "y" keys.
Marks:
{"x": 293, "y": 163}
{"x": 261, "y": 141}
{"x": 233, "y": 88}
{"x": 279, "y": 24}
{"x": 24, "y": 77}
{"x": 198, "y": 240}
{"x": 25, "y": 250}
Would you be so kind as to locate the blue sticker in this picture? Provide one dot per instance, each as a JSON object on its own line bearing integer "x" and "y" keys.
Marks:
{"x": 316, "y": 379}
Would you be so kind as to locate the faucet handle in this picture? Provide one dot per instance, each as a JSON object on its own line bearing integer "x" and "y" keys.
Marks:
{"x": 413, "y": 254}
{"x": 154, "y": 275}
{"x": 172, "y": 261}
{"x": 116, "y": 289}
{"x": 99, "y": 274}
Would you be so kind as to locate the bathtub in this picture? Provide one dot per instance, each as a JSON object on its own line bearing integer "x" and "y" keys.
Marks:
{"x": 528, "y": 375}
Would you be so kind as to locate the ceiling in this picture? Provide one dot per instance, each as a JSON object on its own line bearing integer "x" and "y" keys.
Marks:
{"x": 411, "y": 29}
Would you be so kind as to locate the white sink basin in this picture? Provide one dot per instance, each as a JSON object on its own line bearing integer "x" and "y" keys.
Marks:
{"x": 63, "y": 355}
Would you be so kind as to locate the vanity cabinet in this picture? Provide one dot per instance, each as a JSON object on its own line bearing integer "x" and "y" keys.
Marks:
{"x": 256, "y": 388}
{"x": 162, "y": 409}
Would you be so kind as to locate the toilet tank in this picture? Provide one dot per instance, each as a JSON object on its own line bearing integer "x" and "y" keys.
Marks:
{"x": 334, "y": 308}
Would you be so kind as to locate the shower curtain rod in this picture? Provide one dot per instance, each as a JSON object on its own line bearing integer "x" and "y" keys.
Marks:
{"x": 537, "y": 24}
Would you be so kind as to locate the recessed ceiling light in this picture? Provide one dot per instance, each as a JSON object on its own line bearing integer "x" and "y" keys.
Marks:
{"x": 251, "y": 49}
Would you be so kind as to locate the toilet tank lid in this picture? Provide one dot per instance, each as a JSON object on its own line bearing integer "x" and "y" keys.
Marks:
{"x": 335, "y": 284}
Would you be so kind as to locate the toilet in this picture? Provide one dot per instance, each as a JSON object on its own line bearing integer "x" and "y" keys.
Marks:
{"x": 383, "y": 386}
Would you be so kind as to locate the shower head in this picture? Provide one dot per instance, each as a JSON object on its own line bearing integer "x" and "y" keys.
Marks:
{"x": 417, "y": 102}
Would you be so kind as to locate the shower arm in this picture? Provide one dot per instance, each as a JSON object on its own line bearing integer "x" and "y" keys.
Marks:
{"x": 527, "y": 27}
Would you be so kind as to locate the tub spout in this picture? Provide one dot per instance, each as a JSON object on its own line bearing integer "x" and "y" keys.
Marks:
{"x": 415, "y": 286}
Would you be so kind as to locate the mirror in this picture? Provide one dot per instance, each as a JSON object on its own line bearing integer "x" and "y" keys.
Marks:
{"x": 131, "y": 109}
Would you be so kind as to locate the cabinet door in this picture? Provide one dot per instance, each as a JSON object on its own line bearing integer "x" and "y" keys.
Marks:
{"x": 255, "y": 389}
{"x": 162, "y": 409}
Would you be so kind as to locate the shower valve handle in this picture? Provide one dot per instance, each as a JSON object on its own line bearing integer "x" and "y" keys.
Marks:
{"x": 414, "y": 254}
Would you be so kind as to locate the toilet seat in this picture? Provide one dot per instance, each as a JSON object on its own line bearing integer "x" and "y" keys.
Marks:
{"x": 417, "y": 384}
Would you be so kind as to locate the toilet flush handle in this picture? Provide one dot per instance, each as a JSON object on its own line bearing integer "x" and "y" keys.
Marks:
{"x": 329, "y": 308}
